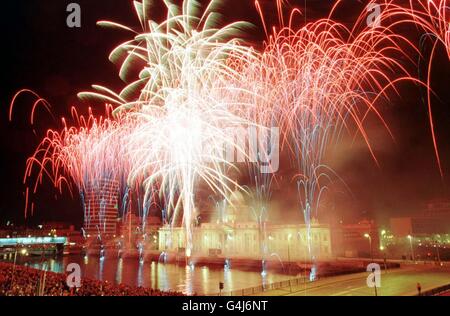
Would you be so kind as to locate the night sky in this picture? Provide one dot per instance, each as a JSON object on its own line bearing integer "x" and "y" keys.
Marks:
{"x": 41, "y": 53}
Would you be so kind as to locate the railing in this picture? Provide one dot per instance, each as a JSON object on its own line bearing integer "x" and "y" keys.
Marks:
{"x": 262, "y": 288}
{"x": 436, "y": 291}
{"x": 284, "y": 284}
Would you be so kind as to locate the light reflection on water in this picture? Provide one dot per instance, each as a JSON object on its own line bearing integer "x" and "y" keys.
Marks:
{"x": 119, "y": 271}
{"x": 189, "y": 279}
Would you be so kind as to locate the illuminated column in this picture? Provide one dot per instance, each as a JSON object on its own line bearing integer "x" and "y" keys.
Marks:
{"x": 101, "y": 208}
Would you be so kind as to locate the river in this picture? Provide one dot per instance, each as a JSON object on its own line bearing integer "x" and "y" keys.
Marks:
{"x": 164, "y": 276}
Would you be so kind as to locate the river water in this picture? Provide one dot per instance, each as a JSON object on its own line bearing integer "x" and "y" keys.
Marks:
{"x": 164, "y": 276}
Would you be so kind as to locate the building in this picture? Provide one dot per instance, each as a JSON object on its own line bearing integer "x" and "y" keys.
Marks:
{"x": 100, "y": 202}
{"x": 245, "y": 240}
{"x": 130, "y": 229}
{"x": 423, "y": 236}
{"x": 235, "y": 235}
{"x": 434, "y": 219}
{"x": 352, "y": 240}
{"x": 133, "y": 231}
{"x": 438, "y": 209}
{"x": 417, "y": 226}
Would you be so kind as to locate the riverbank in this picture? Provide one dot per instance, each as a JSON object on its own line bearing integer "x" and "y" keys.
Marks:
{"x": 18, "y": 280}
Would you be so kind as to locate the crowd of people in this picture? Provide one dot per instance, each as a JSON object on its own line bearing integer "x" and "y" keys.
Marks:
{"x": 18, "y": 280}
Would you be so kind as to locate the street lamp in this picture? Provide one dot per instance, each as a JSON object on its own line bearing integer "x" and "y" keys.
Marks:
{"x": 382, "y": 233}
{"x": 436, "y": 245}
{"x": 370, "y": 243}
{"x": 412, "y": 249}
{"x": 289, "y": 252}
{"x": 382, "y": 249}
{"x": 289, "y": 259}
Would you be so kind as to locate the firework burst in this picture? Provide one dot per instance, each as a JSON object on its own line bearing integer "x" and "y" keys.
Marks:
{"x": 181, "y": 101}
{"x": 191, "y": 83}
{"x": 315, "y": 82}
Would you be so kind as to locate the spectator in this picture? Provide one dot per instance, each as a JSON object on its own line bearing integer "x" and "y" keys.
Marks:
{"x": 25, "y": 281}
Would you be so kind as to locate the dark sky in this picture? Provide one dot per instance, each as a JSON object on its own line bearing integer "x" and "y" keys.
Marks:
{"x": 41, "y": 53}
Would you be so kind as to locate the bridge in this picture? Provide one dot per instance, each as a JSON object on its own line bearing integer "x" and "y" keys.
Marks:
{"x": 32, "y": 241}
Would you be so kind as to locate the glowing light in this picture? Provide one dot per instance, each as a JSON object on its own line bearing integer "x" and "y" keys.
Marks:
{"x": 180, "y": 101}
{"x": 197, "y": 82}
{"x": 31, "y": 241}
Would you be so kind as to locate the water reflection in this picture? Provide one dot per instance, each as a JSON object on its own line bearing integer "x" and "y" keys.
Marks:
{"x": 162, "y": 279}
{"x": 101, "y": 268}
{"x": 140, "y": 277}
{"x": 189, "y": 279}
{"x": 153, "y": 272}
{"x": 188, "y": 283}
{"x": 119, "y": 271}
{"x": 227, "y": 279}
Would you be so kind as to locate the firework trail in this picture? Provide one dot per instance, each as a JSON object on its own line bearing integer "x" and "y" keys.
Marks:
{"x": 38, "y": 101}
{"x": 192, "y": 83}
{"x": 89, "y": 155}
{"x": 189, "y": 42}
{"x": 180, "y": 100}
{"x": 433, "y": 16}
{"x": 180, "y": 144}
{"x": 315, "y": 82}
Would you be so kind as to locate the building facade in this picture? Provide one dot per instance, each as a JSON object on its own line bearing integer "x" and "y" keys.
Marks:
{"x": 100, "y": 202}
{"x": 234, "y": 234}
{"x": 434, "y": 219}
{"x": 247, "y": 240}
{"x": 352, "y": 240}
{"x": 134, "y": 230}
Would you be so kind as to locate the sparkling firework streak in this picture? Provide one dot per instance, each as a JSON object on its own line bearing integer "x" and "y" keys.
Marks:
{"x": 190, "y": 84}
{"x": 431, "y": 16}
{"x": 85, "y": 155}
{"x": 434, "y": 16}
{"x": 316, "y": 81}
{"x": 185, "y": 52}
{"x": 181, "y": 101}
{"x": 180, "y": 144}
